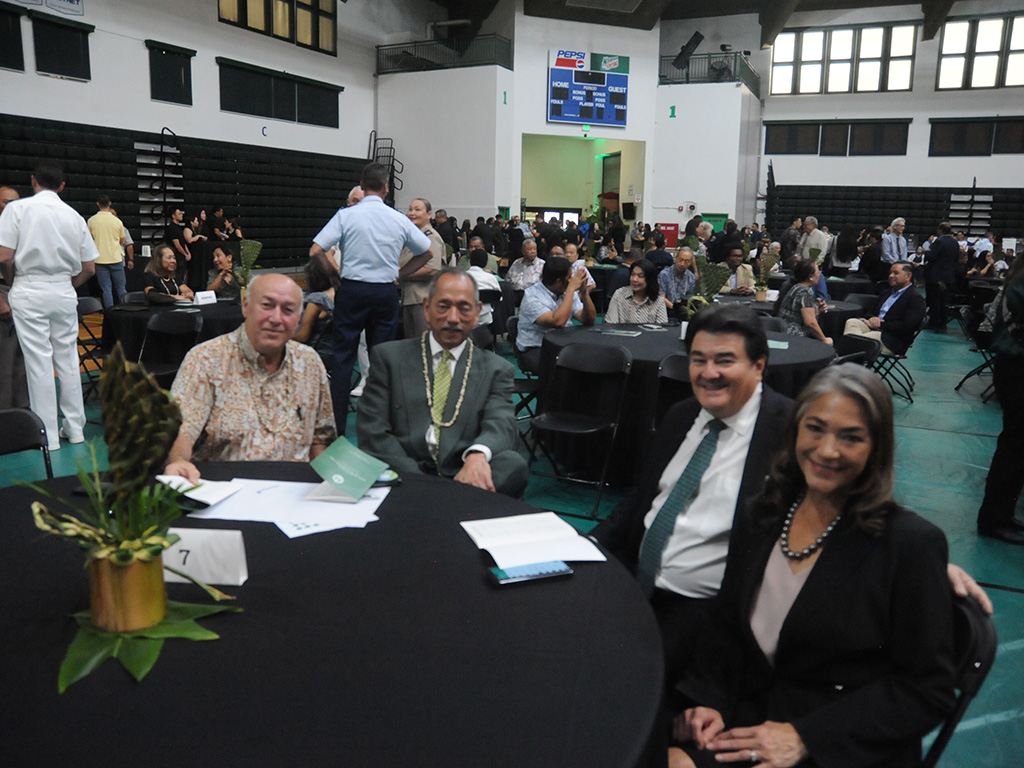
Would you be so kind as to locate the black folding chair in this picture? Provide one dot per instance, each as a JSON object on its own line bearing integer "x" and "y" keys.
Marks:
{"x": 975, "y": 645}
{"x": 136, "y": 298}
{"x": 981, "y": 340}
{"x": 673, "y": 384}
{"x": 169, "y": 337}
{"x": 22, "y": 430}
{"x": 601, "y": 372}
{"x": 856, "y": 349}
{"x": 525, "y": 389}
{"x": 90, "y": 346}
{"x": 894, "y": 373}
{"x": 776, "y": 324}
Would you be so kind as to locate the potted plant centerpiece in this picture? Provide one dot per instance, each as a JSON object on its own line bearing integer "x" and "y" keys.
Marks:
{"x": 710, "y": 279}
{"x": 767, "y": 264}
{"x": 250, "y": 251}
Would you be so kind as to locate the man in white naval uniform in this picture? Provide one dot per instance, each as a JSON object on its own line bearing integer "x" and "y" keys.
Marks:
{"x": 46, "y": 251}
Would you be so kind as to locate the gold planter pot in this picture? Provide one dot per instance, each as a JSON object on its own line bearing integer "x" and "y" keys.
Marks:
{"x": 760, "y": 294}
{"x": 127, "y": 597}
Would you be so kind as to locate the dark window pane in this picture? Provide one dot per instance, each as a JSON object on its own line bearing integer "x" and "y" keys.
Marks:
{"x": 11, "y": 55}
{"x": 797, "y": 139}
{"x": 61, "y": 50}
{"x": 834, "y": 138}
{"x": 317, "y": 106}
{"x": 284, "y": 99}
{"x": 250, "y": 93}
{"x": 170, "y": 76}
{"x": 961, "y": 139}
{"x": 1009, "y": 137}
{"x": 878, "y": 138}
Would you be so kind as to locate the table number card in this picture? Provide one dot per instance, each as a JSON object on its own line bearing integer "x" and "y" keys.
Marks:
{"x": 210, "y": 555}
{"x": 205, "y": 297}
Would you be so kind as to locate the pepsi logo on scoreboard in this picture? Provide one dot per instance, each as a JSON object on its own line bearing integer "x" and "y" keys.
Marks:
{"x": 571, "y": 59}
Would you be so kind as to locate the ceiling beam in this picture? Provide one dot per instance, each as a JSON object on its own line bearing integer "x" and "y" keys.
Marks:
{"x": 935, "y": 13}
{"x": 773, "y": 17}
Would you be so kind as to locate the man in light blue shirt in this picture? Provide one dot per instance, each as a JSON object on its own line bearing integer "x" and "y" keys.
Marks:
{"x": 894, "y": 245}
{"x": 370, "y": 236}
{"x": 552, "y": 303}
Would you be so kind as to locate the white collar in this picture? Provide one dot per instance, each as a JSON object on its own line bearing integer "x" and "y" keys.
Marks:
{"x": 744, "y": 419}
{"x": 436, "y": 349}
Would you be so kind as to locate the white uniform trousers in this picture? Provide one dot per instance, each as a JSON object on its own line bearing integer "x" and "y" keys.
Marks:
{"x": 46, "y": 318}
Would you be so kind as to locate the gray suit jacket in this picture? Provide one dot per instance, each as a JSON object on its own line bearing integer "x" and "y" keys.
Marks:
{"x": 393, "y": 417}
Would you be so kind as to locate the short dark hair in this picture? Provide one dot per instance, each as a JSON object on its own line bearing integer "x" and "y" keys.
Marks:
{"x": 49, "y": 175}
{"x": 906, "y": 266}
{"x": 103, "y": 201}
{"x": 478, "y": 258}
{"x": 731, "y": 318}
{"x": 659, "y": 241}
{"x": 635, "y": 254}
{"x": 877, "y": 233}
{"x": 945, "y": 228}
{"x": 555, "y": 268}
{"x": 317, "y": 277}
{"x": 373, "y": 178}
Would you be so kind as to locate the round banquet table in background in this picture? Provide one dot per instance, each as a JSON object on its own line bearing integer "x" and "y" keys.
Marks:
{"x": 383, "y": 646}
{"x": 840, "y": 289}
{"x": 788, "y": 370}
{"x": 128, "y": 325}
{"x": 831, "y": 322}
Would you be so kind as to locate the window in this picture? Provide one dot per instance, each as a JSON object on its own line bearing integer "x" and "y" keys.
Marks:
{"x": 977, "y": 137}
{"x": 865, "y": 59}
{"x": 62, "y": 46}
{"x": 308, "y": 23}
{"x": 982, "y": 53}
{"x": 11, "y": 54}
{"x": 837, "y": 138}
{"x": 170, "y": 72}
{"x": 252, "y": 90}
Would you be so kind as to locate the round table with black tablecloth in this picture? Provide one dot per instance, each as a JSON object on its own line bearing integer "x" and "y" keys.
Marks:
{"x": 831, "y": 322}
{"x": 788, "y": 370}
{"x": 364, "y": 648}
{"x": 127, "y": 324}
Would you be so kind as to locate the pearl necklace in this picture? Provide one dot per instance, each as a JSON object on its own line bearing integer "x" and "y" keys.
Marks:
{"x": 806, "y": 552}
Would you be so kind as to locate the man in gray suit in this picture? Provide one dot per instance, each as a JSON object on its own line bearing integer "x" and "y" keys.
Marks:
{"x": 438, "y": 405}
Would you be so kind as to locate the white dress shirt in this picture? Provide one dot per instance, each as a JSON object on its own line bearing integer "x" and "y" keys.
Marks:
{"x": 693, "y": 562}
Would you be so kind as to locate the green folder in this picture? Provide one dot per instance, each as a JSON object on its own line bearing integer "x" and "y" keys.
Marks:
{"x": 347, "y": 471}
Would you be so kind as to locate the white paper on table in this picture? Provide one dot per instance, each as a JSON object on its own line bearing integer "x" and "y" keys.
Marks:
{"x": 532, "y": 538}
{"x": 285, "y": 505}
{"x": 205, "y": 491}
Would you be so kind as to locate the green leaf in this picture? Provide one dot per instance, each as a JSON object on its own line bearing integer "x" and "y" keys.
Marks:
{"x": 179, "y": 611}
{"x": 187, "y": 630}
{"x": 87, "y": 651}
{"x": 138, "y": 655}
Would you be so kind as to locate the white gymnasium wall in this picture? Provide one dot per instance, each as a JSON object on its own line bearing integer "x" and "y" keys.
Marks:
{"x": 699, "y": 151}
{"x": 118, "y": 95}
{"x": 916, "y": 168}
{"x": 534, "y": 38}
{"x": 448, "y": 145}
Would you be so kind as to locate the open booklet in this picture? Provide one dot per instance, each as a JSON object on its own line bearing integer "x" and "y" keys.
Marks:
{"x": 348, "y": 473}
{"x": 533, "y": 538}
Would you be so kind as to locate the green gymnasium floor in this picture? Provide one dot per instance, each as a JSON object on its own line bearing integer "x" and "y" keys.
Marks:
{"x": 945, "y": 440}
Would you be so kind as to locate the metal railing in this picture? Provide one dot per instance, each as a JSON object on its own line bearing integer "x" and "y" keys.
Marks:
{"x": 438, "y": 54}
{"x": 711, "y": 68}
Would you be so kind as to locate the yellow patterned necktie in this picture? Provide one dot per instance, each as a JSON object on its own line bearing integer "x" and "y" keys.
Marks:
{"x": 442, "y": 383}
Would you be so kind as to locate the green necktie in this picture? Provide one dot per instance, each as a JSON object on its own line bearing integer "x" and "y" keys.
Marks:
{"x": 442, "y": 383}
{"x": 678, "y": 500}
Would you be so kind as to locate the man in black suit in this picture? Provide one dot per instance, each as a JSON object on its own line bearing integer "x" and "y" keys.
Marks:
{"x": 940, "y": 275}
{"x": 899, "y": 315}
{"x": 728, "y": 354}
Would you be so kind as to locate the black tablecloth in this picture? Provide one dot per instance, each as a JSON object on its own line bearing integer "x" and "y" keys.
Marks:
{"x": 378, "y": 647}
{"x": 788, "y": 370}
{"x": 129, "y": 325}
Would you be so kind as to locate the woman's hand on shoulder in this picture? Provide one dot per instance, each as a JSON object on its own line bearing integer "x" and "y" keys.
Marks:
{"x": 773, "y": 745}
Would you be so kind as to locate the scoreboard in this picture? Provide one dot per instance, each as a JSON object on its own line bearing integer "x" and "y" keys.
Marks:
{"x": 587, "y": 87}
